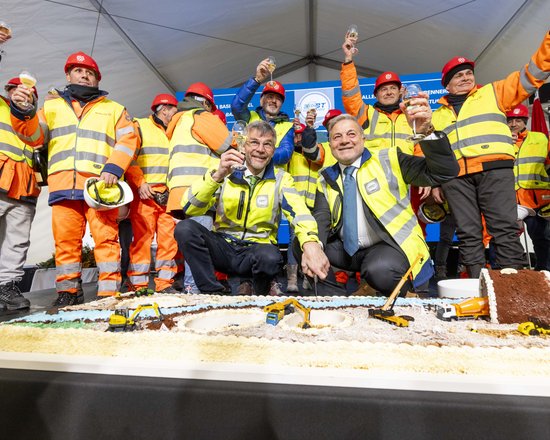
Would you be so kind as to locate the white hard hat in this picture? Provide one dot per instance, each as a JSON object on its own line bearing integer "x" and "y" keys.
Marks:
{"x": 524, "y": 211}
{"x": 94, "y": 198}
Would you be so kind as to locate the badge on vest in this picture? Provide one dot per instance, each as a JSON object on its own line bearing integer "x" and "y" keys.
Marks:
{"x": 372, "y": 186}
{"x": 262, "y": 201}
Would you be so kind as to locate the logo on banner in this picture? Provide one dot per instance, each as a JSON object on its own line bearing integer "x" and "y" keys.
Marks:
{"x": 319, "y": 99}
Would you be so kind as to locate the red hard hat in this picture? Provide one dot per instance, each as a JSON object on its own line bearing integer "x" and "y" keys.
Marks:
{"x": 163, "y": 98}
{"x": 299, "y": 128}
{"x": 220, "y": 115}
{"x": 519, "y": 111}
{"x": 332, "y": 113}
{"x": 201, "y": 89}
{"x": 80, "y": 59}
{"x": 274, "y": 87}
{"x": 450, "y": 68}
{"x": 385, "y": 78}
{"x": 14, "y": 82}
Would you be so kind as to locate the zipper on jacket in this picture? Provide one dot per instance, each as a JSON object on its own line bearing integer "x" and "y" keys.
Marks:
{"x": 241, "y": 206}
{"x": 247, "y": 210}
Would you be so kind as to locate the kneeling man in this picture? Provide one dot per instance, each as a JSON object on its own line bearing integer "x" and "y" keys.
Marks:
{"x": 362, "y": 206}
{"x": 249, "y": 195}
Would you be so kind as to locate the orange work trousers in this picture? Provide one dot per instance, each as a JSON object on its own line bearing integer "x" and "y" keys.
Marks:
{"x": 69, "y": 219}
{"x": 148, "y": 218}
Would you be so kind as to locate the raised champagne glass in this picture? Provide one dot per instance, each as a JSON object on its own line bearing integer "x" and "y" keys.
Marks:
{"x": 271, "y": 66}
{"x": 29, "y": 81}
{"x": 5, "y": 29}
{"x": 353, "y": 33}
{"x": 239, "y": 139}
{"x": 412, "y": 91}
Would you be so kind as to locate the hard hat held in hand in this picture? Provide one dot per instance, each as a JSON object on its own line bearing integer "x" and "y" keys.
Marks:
{"x": 544, "y": 212}
{"x": 434, "y": 213}
{"x": 102, "y": 198}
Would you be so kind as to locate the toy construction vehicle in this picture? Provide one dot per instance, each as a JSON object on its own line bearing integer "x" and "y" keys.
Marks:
{"x": 472, "y": 308}
{"x": 534, "y": 327}
{"x": 144, "y": 291}
{"x": 121, "y": 321}
{"x": 386, "y": 313}
{"x": 277, "y": 311}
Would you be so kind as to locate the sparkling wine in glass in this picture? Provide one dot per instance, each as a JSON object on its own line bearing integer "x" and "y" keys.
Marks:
{"x": 297, "y": 113}
{"x": 29, "y": 81}
{"x": 313, "y": 113}
{"x": 5, "y": 29}
{"x": 412, "y": 91}
{"x": 353, "y": 33}
{"x": 239, "y": 139}
{"x": 271, "y": 66}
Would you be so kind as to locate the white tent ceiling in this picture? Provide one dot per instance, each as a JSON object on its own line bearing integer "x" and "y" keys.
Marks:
{"x": 146, "y": 47}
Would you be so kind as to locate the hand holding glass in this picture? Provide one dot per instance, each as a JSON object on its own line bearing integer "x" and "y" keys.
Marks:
{"x": 271, "y": 66}
{"x": 353, "y": 33}
{"x": 412, "y": 91}
{"x": 29, "y": 81}
{"x": 6, "y": 30}
{"x": 239, "y": 139}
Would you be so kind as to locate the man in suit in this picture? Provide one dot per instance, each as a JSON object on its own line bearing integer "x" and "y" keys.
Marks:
{"x": 362, "y": 207}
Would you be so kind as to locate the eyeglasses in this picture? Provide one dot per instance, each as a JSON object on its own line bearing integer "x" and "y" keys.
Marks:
{"x": 255, "y": 144}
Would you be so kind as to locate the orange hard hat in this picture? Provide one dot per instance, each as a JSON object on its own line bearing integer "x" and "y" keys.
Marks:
{"x": 385, "y": 78}
{"x": 453, "y": 66}
{"x": 274, "y": 87}
{"x": 299, "y": 128}
{"x": 80, "y": 59}
{"x": 519, "y": 111}
{"x": 201, "y": 89}
{"x": 14, "y": 82}
{"x": 163, "y": 98}
{"x": 332, "y": 113}
{"x": 220, "y": 115}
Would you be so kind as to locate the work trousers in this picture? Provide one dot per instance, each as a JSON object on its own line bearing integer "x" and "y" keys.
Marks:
{"x": 539, "y": 232}
{"x": 149, "y": 218}
{"x": 492, "y": 194}
{"x": 69, "y": 219}
{"x": 206, "y": 251}
{"x": 15, "y": 229}
{"x": 380, "y": 265}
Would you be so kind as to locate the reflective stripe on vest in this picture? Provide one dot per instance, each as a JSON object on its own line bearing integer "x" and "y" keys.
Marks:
{"x": 480, "y": 128}
{"x": 384, "y": 132}
{"x": 305, "y": 175}
{"x": 83, "y": 145}
{"x": 10, "y": 144}
{"x": 529, "y": 168}
{"x": 281, "y": 128}
{"x": 385, "y": 192}
{"x": 153, "y": 155}
{"x": 189, "y": 158}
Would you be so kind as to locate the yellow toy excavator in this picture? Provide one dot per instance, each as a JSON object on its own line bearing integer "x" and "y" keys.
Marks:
{"x": 277, "y": 311}
{"x": 121, "y": 321}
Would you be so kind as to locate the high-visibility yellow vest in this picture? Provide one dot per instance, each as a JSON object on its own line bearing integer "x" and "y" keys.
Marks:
{"x": 480, "y": 128}
{"x": 281, "y": 128}
{"x": 384, "y": 132}
{"x": 154, "y": 152}
{"x": 329, "y": 157}
{"x": 529, "y": 168}
{"x": 385, "y": 192}
{"x": 10, "y": 144}
{"x": 304, "y": 173}
{"x": 189, "y": 158}
{"x": 83, "y": 145}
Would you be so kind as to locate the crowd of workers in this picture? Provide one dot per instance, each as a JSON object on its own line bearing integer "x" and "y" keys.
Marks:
{"x": 214, "y": 207}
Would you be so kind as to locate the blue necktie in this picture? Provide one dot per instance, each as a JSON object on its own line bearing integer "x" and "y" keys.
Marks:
{"x": 351, "y": 241}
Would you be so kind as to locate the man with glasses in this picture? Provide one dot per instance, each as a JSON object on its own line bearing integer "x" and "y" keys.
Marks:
{"x": 248, "y": 206}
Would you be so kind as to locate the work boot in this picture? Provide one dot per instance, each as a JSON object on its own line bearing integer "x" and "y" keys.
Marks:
{"x": 11, "y": 298}
{"x": 68, "y": 299}
{"x": 275, "y": 289}
{"x": 440, "y": 272}
{"x": 364, "y": 290}
{"x": 245, "y": 288}
{"x": 292, "y": 278}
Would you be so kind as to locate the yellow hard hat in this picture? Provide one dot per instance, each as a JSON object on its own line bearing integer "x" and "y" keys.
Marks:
{"x": 102, "y": 197}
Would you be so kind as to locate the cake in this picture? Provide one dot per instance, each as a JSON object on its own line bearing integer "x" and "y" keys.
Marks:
{"x": 211, "y": 329}
{"x": 516, "y": 296}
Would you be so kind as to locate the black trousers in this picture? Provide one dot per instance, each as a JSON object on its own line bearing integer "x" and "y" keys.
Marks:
{"x": 492, "y": 194}
{"x": 380, "y": 265}
{"x": 206, "y": 251}
{"x": 539, "y": 232}
{"x": 125, "y": 237}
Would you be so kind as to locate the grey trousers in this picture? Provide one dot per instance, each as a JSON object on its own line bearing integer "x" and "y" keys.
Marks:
{"x": 15, "y": 229}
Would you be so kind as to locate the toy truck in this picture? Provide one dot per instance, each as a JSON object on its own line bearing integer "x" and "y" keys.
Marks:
{"x": 121, "y": 321}
{"x": 534, "y": 327}
{"x": 472, "y": 308}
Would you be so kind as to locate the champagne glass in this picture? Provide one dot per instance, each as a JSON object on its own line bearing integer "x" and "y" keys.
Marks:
{"x": 29, "y": 81}
{"x": 6, "y": 29}
{"x": 271, "y": 66}
{"x": 297, "y": 113}
{"x": 239, "y": 139}
{"x": 312, "y": 112}
{"x": 412, "y": 91}
{"x": 353, "y": 33}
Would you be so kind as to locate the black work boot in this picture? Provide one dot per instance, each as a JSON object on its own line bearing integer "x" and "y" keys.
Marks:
{"x": 11, "y": 297}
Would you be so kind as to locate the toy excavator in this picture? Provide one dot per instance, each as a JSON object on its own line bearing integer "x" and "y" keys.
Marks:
{"x": 386, "y": 313}
{"x": 278, "y": 310}
{"x": 534, "y": 327}
{"x": 120, "y": 321}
